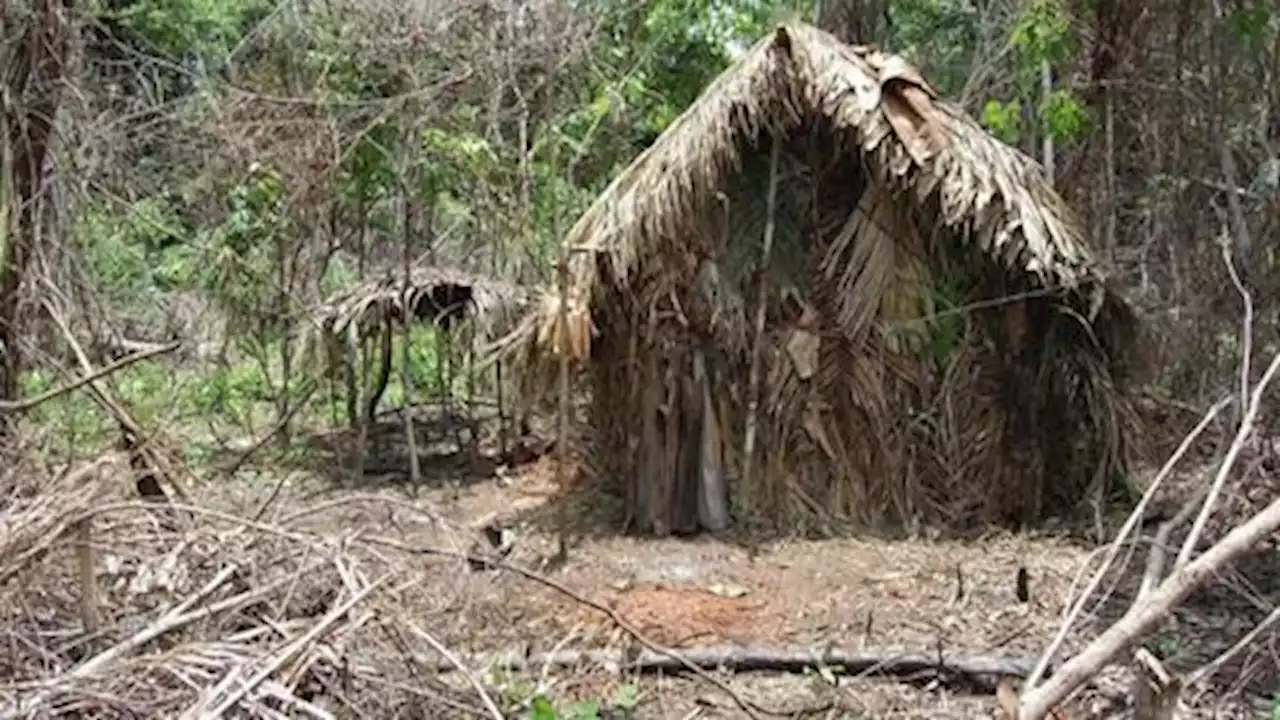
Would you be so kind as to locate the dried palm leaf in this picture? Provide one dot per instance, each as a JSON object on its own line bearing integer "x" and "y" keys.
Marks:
{"x": 433, "y": 294}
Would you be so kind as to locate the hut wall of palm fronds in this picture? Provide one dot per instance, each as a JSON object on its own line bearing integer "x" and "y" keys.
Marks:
{"x": 940, "y": 344}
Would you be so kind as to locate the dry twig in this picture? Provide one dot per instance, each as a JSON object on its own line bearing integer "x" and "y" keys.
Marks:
{"x": 19, "y": 406}
{"x": 172, "y": 620}
{"x": 1144, "y": 616}
{"x": 863, "y": 661}
{"x": 283, "y": 656}
{"x": 751, "y": 708}
{"x": 1204, "y": 673}
{"x": 457, "y": 664}
{"x": 1242, "y": 436}
{"x": 1114, "y": 550}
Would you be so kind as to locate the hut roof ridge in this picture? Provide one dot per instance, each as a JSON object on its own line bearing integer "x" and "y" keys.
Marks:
{"x": 922, "y": 146}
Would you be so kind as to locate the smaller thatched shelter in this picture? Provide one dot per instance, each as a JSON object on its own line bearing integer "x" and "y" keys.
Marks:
{"x": 368, "y": 312}
{"x": 437, "y": 295}
{"x": 938, "y": 341}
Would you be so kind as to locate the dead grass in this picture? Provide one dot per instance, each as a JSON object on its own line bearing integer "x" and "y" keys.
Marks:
{"x": 314, "y": 609}
{"x": 225, "y": 610}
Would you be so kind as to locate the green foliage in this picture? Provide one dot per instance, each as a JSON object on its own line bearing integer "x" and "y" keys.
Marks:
{"x": 338, "y": 276}
{"x": 368, "y": 173}
{"x": 77, "y": 418}
{"x": 453, "y": 159}
{"x": 424, "y": 373}
{"x": 655, "y": 58}
{"x": 453, "y": 165}
{"x": 230, "y": 391}
{"x": 1004, "y": 120}
{"x": 140, "y": 248}
{"x": 248, "y": 251}
{"x": 1249, "y": 25}
{"x": 1043, "y": 32}
{"x": 1063, "y": 117}
{"x": 424, "y": 355}
{"x": 941, "y": 34}
{"x": 424, "y": 365}
{"x": 185, "y": 30}
{"x": 949, "y": 326}
{"x": 256, "y": 211}
{"x": 556, "y": 203}
{"x": 582, "y": 710}
{"x": 540, "y": 708}
{"x": 625, "y": 699}
{"x": 148, "y": 388}
{"x": 653, "y": 62}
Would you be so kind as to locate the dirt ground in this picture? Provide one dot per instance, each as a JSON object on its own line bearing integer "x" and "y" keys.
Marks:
{"x": 921, "y": 596}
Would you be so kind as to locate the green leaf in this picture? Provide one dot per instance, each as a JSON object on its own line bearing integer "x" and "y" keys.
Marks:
{"x": 1043, "y": 32}
{"x": 542, "y": 709}
{"x": 188, "y": 29}
{"x": 1063, "y": 116}
{"x": 583, "y": 710}
{"x": 1004, "y": 120}
{"x": 625, "y": 697}
{"x": 1249, "y": 25}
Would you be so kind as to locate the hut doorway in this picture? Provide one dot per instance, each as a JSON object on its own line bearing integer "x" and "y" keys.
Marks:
{"x": 665, "y": 430}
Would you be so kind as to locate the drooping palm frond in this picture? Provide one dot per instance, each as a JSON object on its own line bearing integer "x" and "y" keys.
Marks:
{"x": 932, "y": 150}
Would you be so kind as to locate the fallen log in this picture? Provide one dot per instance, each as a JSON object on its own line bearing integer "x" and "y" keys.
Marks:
{"x": 982, "y": 670}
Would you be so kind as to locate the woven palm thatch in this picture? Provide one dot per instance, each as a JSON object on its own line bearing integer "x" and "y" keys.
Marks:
{"x": 435, "y": 294}
{"x": 940, "y": 341}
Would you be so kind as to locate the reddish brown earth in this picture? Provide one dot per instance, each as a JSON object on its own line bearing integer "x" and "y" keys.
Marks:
{"x": 705, "y": 592}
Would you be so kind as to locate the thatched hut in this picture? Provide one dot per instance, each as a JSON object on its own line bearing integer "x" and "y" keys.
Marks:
{"x": 939, "y": 343}
{"x": 433, "y": 295}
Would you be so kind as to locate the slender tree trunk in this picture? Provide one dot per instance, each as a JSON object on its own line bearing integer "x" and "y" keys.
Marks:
{"x": 406, "y": 346}
{"x": 29, "y": 97}
{"x": 857, "y": 22}
{"x": 1046, "y": 149}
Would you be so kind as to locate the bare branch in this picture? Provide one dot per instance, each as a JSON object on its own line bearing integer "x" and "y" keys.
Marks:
{"x": 20, "y": 406}
{"x": 1216, "y": 664}
{"x": 1134, "y": 517}
{"x": 1145, "y": 615}
{"x": 1228, "y": 463}
{"x": 455, "y": 663}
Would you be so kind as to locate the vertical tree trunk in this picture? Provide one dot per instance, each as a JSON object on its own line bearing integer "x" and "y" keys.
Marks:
{"x": 857, "y": 22}
{"x": 408, "y": 186}
{"x": 33, "y": 77}
{"x": 1047, "y": 154}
